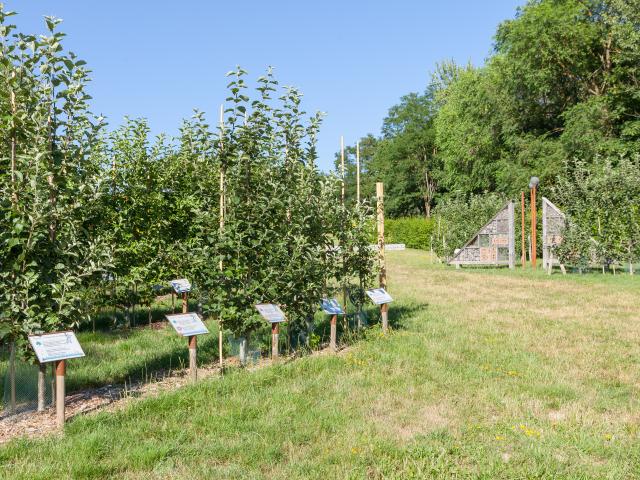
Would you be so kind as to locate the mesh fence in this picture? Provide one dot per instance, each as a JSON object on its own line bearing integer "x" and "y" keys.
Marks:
{"x": 19, "y": 383}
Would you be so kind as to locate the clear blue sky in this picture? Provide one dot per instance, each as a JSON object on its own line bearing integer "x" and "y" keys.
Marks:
{"x": 352, "y": 59}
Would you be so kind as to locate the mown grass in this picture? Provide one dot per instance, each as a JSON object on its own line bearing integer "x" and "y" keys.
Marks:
{"x": 489, "y": 374}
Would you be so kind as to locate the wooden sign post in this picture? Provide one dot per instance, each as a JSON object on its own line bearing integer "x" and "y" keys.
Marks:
{"x": 183, "y": 287}
{"x": 189, "y": 325}
{"x": 57, "y": 348}
{"x": 330, "y": 306}
{"x": 379, "y": 296}
{"x": 275, "y": 316}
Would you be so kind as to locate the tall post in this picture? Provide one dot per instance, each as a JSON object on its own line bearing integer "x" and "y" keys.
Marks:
{"x": 275, "y": 338}
{"x": 12, "y": 377}
{"x": 342, "y": 167}
{"x": 534, "y": 227}
{"x": 358, "y": 173}
{"x": 222, "y": 211}
{"x": 60, "y": 392}
{"x": 342, "y": 175}
{"x": 333, "y": 338}
{"x": 380, "y": 223}
{"x": 524, "y": 244}
{"x": 512, "y": 236}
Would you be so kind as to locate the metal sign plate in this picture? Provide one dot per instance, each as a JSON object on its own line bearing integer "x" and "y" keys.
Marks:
{"x": 271, "y": 313}
{"x": 331, "y": 306}
{"x": 51, "y": 347}
{"x": 187, "y": 324}
{"x": 379, "y": 296}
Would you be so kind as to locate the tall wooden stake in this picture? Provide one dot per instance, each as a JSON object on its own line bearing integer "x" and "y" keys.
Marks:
{"x": 342, "y": 167}
{"x": 222, "y": 209}
{"x": 358, "y": 173}
{"x": 380, "y": 223}
{"x": 524, "y": 245}
{"x": 333, "y": 337}
{"x": 12, "y": 378}
{"x": 344, "y": 280}
{"x": 534, "y": 227}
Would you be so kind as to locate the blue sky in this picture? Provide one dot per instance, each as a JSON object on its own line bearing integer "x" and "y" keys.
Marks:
{"x": 351, "y": 59}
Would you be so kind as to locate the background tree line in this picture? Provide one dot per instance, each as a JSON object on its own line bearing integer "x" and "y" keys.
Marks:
{"x": 558, "y": 98}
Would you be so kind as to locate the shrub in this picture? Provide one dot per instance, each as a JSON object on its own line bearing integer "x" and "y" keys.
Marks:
{"x": 414, "y": 232}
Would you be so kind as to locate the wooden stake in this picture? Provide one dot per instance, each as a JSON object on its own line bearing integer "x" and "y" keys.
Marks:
{"x": 534, "y": 227}
{"x": 358, "y": 173}
{"x": 275, "y": 338}
{"x": 185, "y": 303}
{"x": 333, "y": 338}
{"x": 342, "y": 166}
{"x": 60, "y": 392}
{"x": 524, "y": 244}
{"x": 380, "y": 223}
{"x": 222, "y": 207}
{"x": 12, "y": 378}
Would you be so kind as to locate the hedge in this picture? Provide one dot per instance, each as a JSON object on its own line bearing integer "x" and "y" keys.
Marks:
{"x": 414, "y": 232}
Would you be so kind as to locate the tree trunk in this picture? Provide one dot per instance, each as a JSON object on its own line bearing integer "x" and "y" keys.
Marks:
{"x": 42, "y": 386}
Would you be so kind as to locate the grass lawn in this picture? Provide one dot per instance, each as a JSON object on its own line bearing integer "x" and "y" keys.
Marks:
{"x": 488, "y": 374}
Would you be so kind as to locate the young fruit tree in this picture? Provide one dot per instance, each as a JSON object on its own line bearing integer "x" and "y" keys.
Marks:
{"x": 51, "y": 185}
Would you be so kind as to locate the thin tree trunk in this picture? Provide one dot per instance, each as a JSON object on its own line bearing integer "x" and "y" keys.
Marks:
{"x": 42, "y": 386}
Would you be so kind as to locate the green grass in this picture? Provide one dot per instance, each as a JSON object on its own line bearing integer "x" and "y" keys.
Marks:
{"x": 488, "y": 374}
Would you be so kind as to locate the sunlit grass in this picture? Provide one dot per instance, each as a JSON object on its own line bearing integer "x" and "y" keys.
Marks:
{"x": 488, "y": 374}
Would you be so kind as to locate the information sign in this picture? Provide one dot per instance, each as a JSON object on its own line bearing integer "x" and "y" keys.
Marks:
{"x": 187, "y": 324}
{"x": 331, "y": 306}
{"x": 379, "y": 296}
{"x": 271, "y": 313}
{"x": 52, "y": 347}
{"x": 181, "y": 285}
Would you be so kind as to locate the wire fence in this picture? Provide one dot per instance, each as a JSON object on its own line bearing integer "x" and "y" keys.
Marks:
{"x": 19, "y": 383}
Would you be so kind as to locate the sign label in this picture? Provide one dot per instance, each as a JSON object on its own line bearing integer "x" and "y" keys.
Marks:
{"x": 331, "y": 306}
{"x": 52, "y": 347}
{"x": 379, "y": 296}
{"x": 181, "y": 285}
{"x": 271, "y": 313}
{"x": 187, "y": 324}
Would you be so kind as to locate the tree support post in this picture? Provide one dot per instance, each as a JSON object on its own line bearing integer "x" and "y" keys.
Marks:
{"x": 333, "y": 344}
{"x": 60, "y": 392}
{"x": 524, "y": 242}
{"x": 12, "y": 378}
